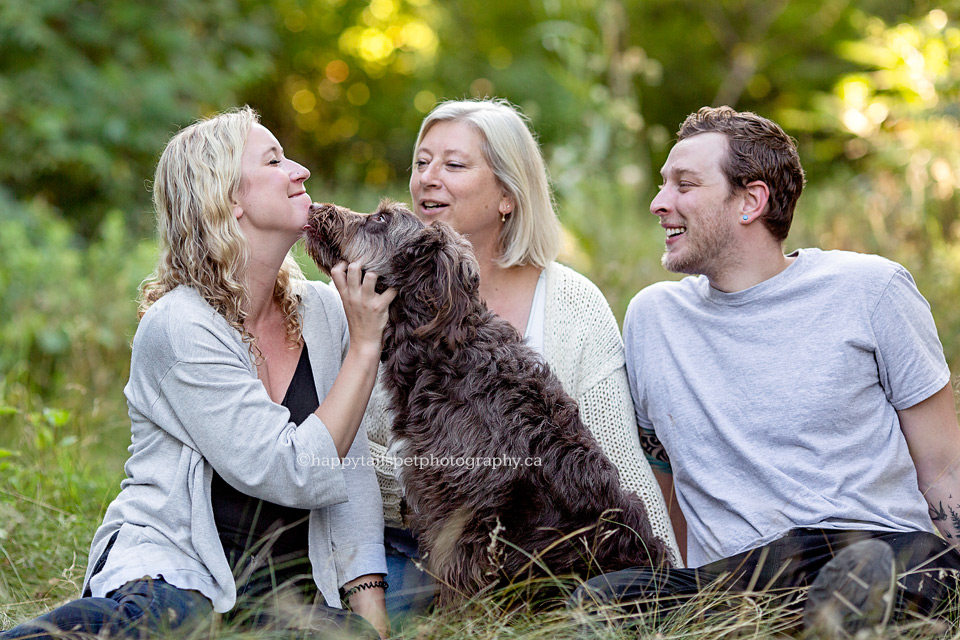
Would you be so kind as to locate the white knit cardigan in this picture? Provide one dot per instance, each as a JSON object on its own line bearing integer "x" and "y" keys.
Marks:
{"x": 583, "y": 347}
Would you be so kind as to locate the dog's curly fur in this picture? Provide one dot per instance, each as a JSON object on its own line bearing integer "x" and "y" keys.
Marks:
{"x": 464, "y": 386}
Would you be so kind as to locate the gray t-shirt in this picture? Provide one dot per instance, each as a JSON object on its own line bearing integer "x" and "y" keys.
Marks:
{"x": 777, "y": 404}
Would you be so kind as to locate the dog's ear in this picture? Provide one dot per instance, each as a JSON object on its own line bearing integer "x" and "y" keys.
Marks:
{"x": 441, "y": 276}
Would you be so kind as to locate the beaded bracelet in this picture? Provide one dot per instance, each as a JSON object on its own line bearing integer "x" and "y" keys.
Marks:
{"x": 345, "y": 595}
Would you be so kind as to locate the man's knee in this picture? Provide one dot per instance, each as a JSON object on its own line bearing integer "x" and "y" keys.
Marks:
{"x": 928, "y": 571}
{"x": 627, "y": 585}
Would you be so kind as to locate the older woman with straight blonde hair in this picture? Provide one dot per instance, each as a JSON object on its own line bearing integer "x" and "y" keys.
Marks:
{"x": 477, "y": 167}
{"x": 245, "y": 491}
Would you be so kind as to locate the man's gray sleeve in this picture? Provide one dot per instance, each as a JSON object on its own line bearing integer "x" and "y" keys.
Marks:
{"x": 909, "y": 354}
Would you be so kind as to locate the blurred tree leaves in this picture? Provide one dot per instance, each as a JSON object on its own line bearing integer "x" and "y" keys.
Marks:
{"x": 91, "y": 90}
{"x": 353, "y": 78}
{"x": 346, "y": 80}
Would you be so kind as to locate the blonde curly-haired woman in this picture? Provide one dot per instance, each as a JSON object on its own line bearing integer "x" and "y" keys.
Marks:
{"x": 245, "y": 398}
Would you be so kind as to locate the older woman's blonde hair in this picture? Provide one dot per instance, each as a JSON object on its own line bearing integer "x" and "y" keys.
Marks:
{"x": 201, "y": 245}
{"x": 531, "y": 233}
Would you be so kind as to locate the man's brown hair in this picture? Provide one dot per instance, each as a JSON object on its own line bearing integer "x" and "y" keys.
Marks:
{"x": 758, "y": 149}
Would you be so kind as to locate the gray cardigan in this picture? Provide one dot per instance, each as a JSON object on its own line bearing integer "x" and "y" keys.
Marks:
{"x": 196, "y": 405}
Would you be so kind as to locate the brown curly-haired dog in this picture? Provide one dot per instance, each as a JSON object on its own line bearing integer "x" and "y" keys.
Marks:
{"x": 465, "y": 388}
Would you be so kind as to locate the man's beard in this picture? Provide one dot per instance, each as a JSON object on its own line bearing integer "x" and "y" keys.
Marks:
{"x": 704, "y": 252}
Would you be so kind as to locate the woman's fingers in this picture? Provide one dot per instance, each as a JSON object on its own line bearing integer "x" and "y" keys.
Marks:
{"x": 370, "y": 282}
{"x": 369, "y": 288}
{"x": 354, "y": 275}
{"x": 339, "y": 276}
{"x": 351, "y": 278}
{"x": 388, "y": 295}
{"x": 366, "y": 309}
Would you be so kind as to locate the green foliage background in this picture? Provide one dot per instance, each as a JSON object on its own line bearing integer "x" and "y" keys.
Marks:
{"x": 90, "y": 91}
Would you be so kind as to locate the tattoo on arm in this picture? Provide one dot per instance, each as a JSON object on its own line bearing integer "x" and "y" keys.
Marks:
{"x": 954, "y": 518}
{"x": 937, "y": 514}
{"x": 653, "y": 450}
{"x": 950, "y": 527}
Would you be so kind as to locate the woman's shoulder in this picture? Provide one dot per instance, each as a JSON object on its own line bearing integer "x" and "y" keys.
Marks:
{"x": 582, "y": 338}
{"x": 181, "y": 319}
{"x": 183, "y": 304}
{"x": 571, "y": 292}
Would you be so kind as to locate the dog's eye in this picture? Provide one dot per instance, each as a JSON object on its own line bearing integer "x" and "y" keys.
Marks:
{"x": 380, "y": 218}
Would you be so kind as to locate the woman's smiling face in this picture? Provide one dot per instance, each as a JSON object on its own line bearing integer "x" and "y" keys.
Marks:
{"x": 453, "y": 182}
{"x": 271, "y": 196}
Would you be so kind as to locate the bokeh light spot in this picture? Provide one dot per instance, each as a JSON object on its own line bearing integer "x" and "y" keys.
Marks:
{"x": 358, "y": 94}
{"x": 337, "y": 71}
{"x": 500, "y": 58}
{"x": 329, "y": 91}
{"x": 375, "y": 46}
{"x": 383, "y": 9}
{"x": 295, "y": 20}
{"x": 938, "y": 19}
{"x": 378, "y": 173}
{"x": 418, "y": 35}
{"x": 481, "y": 88}
{"x": 345, "y": 127}
{"x": 308, "y": 121}
{"x": 424, "y": 101}
{"x": 304, "y": 101}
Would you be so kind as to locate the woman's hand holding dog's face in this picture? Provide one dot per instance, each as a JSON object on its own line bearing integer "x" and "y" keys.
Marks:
{"x": 366, "y": 310}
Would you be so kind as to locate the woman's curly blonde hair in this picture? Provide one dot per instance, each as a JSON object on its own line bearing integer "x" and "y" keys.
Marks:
{"x": 201, "y": 245}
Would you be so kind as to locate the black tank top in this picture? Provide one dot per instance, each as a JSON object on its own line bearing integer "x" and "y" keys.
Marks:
{"x": 268, "y": 538}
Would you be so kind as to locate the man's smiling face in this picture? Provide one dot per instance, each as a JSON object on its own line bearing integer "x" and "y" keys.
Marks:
{"x": 697, "y": 207}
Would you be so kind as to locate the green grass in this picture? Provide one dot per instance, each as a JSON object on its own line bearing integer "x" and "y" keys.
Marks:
{"x": 56, "y": 482}
{"x": 60, "y": 469}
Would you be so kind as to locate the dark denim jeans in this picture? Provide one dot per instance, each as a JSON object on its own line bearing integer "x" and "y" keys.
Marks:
{"x": 928, "y": 569}
{"x": 152, "y": 608}
{"x": 137, "y": 609}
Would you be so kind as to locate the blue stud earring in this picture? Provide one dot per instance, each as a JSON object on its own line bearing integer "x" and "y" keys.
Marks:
{"x": 745, "y": 218}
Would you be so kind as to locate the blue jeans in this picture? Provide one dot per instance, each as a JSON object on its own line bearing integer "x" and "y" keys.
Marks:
{"x": 151, "y": 607}
{"x": 411, "y": 590}
{"x": 138, "y": 608}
